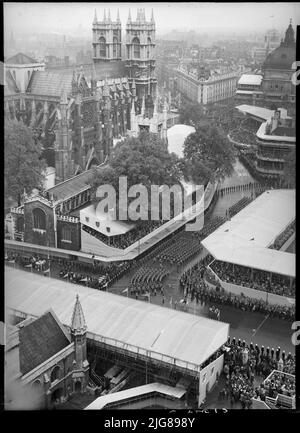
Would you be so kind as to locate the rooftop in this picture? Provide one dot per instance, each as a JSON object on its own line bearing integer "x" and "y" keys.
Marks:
{"x": 72, "y": 186}
{"x": 39, "y": 340}
{"x": 20, "y": 59}
{"x": 244, "y": 240}
{"x": 157, "y": 332}
{"x": 250, "y": 80}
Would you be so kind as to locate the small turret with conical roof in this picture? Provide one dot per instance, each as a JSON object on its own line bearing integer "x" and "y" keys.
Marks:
{"x": 78, "y": 332}
{"x": 78, "y": 325}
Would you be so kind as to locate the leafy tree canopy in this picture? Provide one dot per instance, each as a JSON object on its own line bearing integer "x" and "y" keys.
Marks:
{"x": 144, "y": 160}
{"x": 208, "y": 155}
{"x": 23, "y": 166}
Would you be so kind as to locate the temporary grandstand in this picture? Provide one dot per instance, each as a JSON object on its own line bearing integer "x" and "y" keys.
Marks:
{"x": 246, "y": 238}
{"x": 140, "y": 333}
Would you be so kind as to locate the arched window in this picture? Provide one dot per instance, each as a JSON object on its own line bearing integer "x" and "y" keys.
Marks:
{"x": 39, "y": 219}
{"x": 102, "y": 47}
{"x": 115, "y": 47}
{"x": 136, "y": 48}
{"x": 66, "y": 234}
{"x": 55, "y": 373}
{"x": 20, "y": 224}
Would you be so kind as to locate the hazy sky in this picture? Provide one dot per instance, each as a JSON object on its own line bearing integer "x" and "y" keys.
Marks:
{"x": 67, "y": 17}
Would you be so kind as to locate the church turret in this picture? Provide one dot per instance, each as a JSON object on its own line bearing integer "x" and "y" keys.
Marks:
{"x": 107, "y": 39}
{"x": 95, "y": 18}
{"x": 140, "y": 59}
{"x": 80, "y": 374}
{"x": 63, "y": 162}
{"x": 289, "y": 35}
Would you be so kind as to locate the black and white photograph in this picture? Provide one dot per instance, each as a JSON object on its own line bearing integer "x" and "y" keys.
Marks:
{"x": 150, "y": 209}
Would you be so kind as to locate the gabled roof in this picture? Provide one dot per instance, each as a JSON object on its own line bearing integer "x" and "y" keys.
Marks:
{"x": 157, "y": 332}
{"x": 20, "y": 59}
{"x": 49, "y": 83}
{"x": 72, "y": 186}
{"x": 39, "y": 340}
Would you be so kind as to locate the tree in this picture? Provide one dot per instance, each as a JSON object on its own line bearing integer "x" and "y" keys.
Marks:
{"x": 144, "y": 160}
{"x": 209, "y": 156}
{"x": 191, "y": 114}
{"x": 23, "y": 167}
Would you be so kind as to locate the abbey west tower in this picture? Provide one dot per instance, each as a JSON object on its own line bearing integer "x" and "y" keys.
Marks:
{"x": 139, "y": 52}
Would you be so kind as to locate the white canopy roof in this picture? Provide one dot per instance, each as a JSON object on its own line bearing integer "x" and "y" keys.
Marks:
{"x": 261, "y": 113}
{"x": 164, "y": 333}
{"x": 250, "y": 79}
{"x": 176, "y": 137}
{"x": 244, "y": 240}
{"x": 103, "y": 401}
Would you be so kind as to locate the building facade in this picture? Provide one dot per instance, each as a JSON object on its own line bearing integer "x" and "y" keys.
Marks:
{"x": 76, "y": 114}
{"x": 44, "y": 375}
{"x": 208, "y": 88}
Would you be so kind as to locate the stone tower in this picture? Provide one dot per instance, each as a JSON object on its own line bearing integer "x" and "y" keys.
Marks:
{"x": 107, "y": 39}
{"x": 64, "y": 165}
{"x": 140, "y": 57}
{"x": 80, "y": 373}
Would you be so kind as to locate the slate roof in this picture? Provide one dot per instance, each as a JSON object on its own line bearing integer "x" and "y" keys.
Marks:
{"x": 71, "y": 186}
{"x": 51, "y": 83}
{"x": 20, "y": 59}
{"x": 103, "y": 69}
{"x": 40, "y": 340}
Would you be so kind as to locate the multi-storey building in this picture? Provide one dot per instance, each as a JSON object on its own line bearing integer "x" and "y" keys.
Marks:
{"x": 275, "y": 140}
{"x": 207, "y": 87}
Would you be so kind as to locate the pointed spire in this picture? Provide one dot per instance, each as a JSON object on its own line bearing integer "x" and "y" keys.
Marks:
{"x": 64, "y": 98}
{"x": 138, "y": 13}
{"x": 104, "y": 16}
{"x": 132, "y": 107}
{"x": 106, "y": 88}
{"x": 95, "y": 18}
{"x": 143, "y": 107}
{"x": 144, "y": 15}
{"x": 289, "y": 35}
{"x": 152, "y": 17}
{"x": 118, "y": 16}
{"x": 129, "y": 17}
{"x": 93, "y": 73}
{"x": 78, "y": 325}
{"x": 108, "y": 18}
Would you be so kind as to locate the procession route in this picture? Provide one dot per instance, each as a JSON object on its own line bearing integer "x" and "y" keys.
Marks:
{"x": 261, "y": 324}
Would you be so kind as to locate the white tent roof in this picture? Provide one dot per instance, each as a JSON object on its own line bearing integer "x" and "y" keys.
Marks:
{"x": 176, "y": 136}
{"x": 163, "y": 332}
{"x": 245, "y": 239}
{"x": 250, "y": 79}
{"x": 261, "y": 113}
{"x": 171, "y": 391}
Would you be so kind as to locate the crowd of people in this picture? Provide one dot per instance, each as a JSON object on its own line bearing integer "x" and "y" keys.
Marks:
{"x": 194, "y": 286}
{"x": 243, "y": 136}
{"x": 243, "y": 362}
{"x": 237, "y": 207}
{"x": 280, "y": 383}
{"x": 255, "y": 189}
{"x": 254, "y": 278}
{"x": 148, "y": 280}
{"x": 125, "y": 240}
{"x": 96, "y": 275}
{"x": 184, "y": 247}
{"x": 284, "y": 236}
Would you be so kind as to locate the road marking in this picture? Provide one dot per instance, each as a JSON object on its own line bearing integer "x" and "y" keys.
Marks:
{"x": 255, "y": 330}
